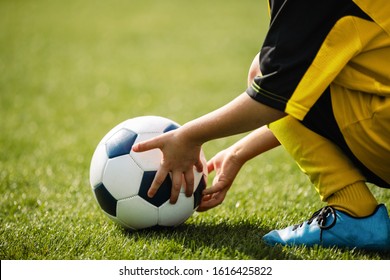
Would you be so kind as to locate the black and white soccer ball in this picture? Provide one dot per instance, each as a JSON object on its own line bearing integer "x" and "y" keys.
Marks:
{"x": 121, "y": 178}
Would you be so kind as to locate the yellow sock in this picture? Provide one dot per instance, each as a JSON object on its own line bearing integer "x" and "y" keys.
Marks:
{"x": 355, "y": 199}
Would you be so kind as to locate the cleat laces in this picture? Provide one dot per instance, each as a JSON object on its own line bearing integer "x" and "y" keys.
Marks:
{"x": 321, "y": 216}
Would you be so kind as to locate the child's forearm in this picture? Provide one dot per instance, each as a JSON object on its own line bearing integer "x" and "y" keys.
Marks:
{"x": 254, "y": 144}
{"x": 240, "y": 115}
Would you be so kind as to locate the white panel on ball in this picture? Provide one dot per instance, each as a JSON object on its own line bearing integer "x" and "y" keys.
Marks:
{"x": 175, "y": 214}
{"x": 111, "y": 132}
{"x": 122, "y": 177}
{"x": 137, "y": 213}
{"x": 149, "y": 160}
{"x": 148, "y": 124}
{"x": 132, "y": 124}
{"x": 119, "y": 222}
{"x": 98, "y": 163}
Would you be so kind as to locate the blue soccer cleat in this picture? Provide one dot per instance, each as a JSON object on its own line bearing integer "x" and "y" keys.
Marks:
{"x": 330, "y": 227}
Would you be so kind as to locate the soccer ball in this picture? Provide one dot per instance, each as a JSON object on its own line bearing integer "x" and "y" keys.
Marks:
{"x": 121, "y": 178}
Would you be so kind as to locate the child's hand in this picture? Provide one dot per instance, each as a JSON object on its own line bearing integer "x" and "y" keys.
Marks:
{"x": 226, "y": 166}
{"x": 228, "y": 163}
{"x": 180, "y": 155}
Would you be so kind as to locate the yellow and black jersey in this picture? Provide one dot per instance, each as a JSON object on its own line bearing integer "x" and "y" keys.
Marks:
{"x": 312, "y": 44}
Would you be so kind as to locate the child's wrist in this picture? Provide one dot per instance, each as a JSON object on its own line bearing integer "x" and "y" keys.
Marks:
{"x": 238, "y": 155}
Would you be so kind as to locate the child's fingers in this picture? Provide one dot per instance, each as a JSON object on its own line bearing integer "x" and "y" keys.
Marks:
{"x": 210, "y": 166}
{"x": 153, "y": 143}
{"x": 158, "y": 180}
{"x": 189, "y": 182}
{"x": 217, "y": 186}
{"x": 210, "y": 201}
{"x": 199, "y": 166}
{"x": 177, "y": 181}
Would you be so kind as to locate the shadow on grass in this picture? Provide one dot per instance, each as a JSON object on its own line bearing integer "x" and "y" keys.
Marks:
{"x": 214, "y": 241}
{"x": 242, "y": 241}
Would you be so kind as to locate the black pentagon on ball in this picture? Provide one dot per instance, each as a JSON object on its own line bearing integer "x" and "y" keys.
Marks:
{"x": 106, "y": 201}
{"x": 120, "y": 143}
{"x": 171, "y": 127}
{"x": 163, "y": 193}
{"x": 199, "y": 191}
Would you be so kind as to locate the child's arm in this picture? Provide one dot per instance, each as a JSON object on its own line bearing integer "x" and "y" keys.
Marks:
{"x": 228, "y": 163}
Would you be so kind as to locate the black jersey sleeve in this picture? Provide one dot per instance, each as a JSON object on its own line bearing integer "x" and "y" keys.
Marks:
{"x": 298, "y": 29}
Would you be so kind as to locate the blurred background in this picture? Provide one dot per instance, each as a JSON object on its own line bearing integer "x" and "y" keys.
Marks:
{"x": 71, "y": 70}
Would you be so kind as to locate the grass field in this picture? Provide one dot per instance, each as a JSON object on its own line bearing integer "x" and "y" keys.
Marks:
{"x": 71, "y": 70}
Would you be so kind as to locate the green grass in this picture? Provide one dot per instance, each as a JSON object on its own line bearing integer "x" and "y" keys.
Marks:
{"x": 71, "y": 70}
